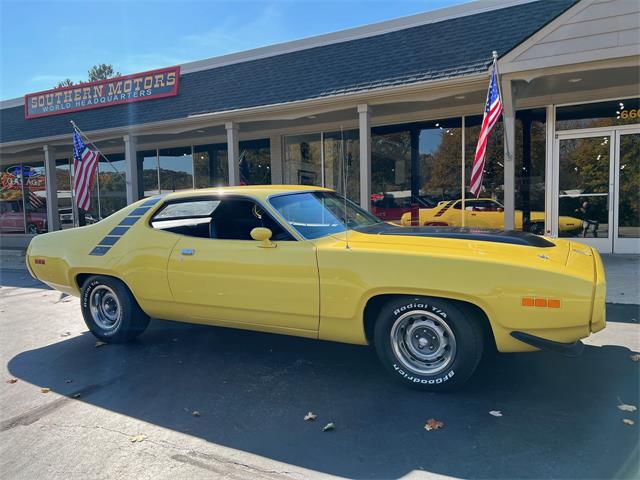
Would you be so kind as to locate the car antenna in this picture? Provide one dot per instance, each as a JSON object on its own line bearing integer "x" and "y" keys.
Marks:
{"x": 345, "y": 166}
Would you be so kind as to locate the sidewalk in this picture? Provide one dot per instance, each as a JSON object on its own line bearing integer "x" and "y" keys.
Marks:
{"x": 623, "y": 274}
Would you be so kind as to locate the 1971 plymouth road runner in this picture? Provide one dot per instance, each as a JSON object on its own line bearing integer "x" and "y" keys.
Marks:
{"x": 303, "y": 261}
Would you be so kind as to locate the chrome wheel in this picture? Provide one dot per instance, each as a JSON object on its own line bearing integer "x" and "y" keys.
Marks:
{"x": 105, "y": 308}
{"x": 423, "y": 342}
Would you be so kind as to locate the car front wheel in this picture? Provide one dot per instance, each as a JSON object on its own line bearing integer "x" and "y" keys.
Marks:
{"x": 110, "y": 310}
{"x": 428, "y": 343}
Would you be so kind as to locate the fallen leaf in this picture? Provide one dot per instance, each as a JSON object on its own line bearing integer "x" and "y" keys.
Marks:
{"x": 433, "y": 424}
{"x": 45, "y": 389}
{"x": 100, "y": 344}
{"x": 495, "y": 413}
{"x": 329, "y": 426}
{"x": 195, "y": 413}
{"x": 635, "y": 357}
{"x": 627, "y": 408}
{"x": 65, "y": 334}
{"x": 76, "y": 395}
{"x": 310, "y": 417}
{"x": 628, "y": 421}
{"x": 12, "y": 380}
{"x": 138, "y": 438}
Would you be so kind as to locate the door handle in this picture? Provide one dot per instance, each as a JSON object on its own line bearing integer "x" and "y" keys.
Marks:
{"x": 188, "y": 251}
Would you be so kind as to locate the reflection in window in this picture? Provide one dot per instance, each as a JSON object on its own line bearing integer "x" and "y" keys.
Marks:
{"x": 600, "y": 114}
{"x": 440, "y": 163}
{"x": 175, "y": 169}
{"x": 629, "y": 203}
{"x": 12, "y": 214}
{"x": 65, "y": 193}
{"x": 112, "y": 184}
{"x": 211, "y": 165}
{"x": 303, "y": 160}
{"x": 148, "y": 181}
{"x": 493, "y": 180}
{"x": 342, "y": 162}
{"x": 530, "y": 157}
{"x": 390, "y": 172}
{"x": 255, "y": 162}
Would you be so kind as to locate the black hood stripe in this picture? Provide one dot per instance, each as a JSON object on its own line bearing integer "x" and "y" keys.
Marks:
{"x": 496, "y": 236}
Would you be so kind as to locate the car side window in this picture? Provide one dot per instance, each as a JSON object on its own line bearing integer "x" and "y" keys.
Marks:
{"x": 235, "y": 218}
{"x": 222, "y": 219}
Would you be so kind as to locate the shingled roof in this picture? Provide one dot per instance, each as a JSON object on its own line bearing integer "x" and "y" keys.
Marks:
{"x": 449, "y": 48}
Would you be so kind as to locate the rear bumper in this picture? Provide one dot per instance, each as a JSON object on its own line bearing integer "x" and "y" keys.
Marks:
{"x": 573, "y": 349}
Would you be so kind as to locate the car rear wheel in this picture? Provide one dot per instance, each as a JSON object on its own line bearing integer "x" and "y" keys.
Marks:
{"x": 428, "y": 343}
{"x": 110, "y": 310}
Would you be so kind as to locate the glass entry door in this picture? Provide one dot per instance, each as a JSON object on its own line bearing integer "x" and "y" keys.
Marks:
{"x": 597, "y": 188}
{"x": 583, "y": 199}
{"x": 626, "y": 238}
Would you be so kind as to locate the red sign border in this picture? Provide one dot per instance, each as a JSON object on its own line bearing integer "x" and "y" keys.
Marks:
{"x": 172, "y": 93}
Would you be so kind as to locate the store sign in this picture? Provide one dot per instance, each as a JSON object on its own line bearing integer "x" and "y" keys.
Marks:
{"x": 104, "y": 93}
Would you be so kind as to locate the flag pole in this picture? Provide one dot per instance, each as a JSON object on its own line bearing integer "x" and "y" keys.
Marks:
{"x": 495, "y": 66}
{"x": 82, "y": 134}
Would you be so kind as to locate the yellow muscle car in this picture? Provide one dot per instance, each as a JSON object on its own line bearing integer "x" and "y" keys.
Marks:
{"x": 304, "y": 261}
{"x": 483, "y": 213}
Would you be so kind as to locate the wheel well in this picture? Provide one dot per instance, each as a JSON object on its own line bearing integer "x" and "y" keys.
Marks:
{"x": 374, "y": 305}
{"x": 82, "y": 277}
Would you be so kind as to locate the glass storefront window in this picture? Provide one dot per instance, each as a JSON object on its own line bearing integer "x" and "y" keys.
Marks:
{"x": 390, "y": 172}
{"x": 440, "y": 160}
{"x": 493, "y": 180}
{"x": 210, "y": 165}
{"x": 629, "y": 186}
{"x": 23, "y": 201}
{"x": 600, "y": 114}
{"x": 35, "y": 197}
{"x": 303, "y": 160}
{"x": 65, "y": 193}
{"x": 12, "y": 210}
{"x": 255, "y": 162}
{"x": 148, "y": 181}
{"x": 112, "y": 183}
{"x": 175, "y": 169}
{"x": 530, "y": 157}
{"x": 342, "y": 162}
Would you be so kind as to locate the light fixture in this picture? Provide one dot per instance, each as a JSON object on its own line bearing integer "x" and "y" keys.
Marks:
{"x": 200, "y": 131}
{"x": 312, "y": 117}
{"x": 575, "y": 80}
{"x": 459, "y": 97}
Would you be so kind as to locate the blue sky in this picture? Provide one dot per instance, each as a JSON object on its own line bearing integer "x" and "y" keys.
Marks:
{"x": 45, "y": 42}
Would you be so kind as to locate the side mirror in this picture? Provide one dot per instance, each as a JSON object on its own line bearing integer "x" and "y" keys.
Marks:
{"x": 263, "y": 235}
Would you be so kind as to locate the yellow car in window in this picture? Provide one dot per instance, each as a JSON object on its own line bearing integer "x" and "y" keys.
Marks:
{"x": 484, "y": 213}
{"x": 304, "y": 261}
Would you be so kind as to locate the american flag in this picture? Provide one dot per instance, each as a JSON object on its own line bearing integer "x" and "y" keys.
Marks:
{"x": 35, "y": 201}
{"x": 84, "y": 167}
{"x": 492, "y": 111}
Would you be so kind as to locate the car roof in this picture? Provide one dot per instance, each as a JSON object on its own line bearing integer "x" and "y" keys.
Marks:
{"x": 261, "y": 192}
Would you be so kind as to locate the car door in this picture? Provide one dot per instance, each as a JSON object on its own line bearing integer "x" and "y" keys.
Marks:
{"x": 233, "y": 279}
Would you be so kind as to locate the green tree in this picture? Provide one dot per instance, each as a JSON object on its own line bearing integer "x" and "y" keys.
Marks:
{"x": 102, "y": 71}
{"x": 67, "y": 82}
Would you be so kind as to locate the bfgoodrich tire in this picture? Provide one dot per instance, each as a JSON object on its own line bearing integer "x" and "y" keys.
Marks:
{"x": 110, "y": 310}
{"x": 428, "y": 343}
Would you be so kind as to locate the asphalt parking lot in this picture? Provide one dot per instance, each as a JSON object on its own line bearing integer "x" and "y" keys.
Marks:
{"x": 251, "y": 392}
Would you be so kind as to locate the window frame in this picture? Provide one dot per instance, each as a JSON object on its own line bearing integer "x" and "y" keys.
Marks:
{"x": 218, "y": 197}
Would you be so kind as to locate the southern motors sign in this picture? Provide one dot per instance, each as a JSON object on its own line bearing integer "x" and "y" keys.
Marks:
{"x": 104, "y": 93}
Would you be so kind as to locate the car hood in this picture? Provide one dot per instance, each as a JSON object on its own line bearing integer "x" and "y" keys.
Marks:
{"x": 492, "y": 245}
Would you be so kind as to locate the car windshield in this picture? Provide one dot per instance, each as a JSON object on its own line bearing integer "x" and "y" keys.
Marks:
{"x": 318, "y": 214}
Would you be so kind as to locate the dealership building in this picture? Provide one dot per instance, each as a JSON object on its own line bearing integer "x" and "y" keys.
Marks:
{"x": 387, "y": 113}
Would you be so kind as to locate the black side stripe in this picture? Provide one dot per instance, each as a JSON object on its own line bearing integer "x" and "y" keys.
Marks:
{"x": 123, "y": 227}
